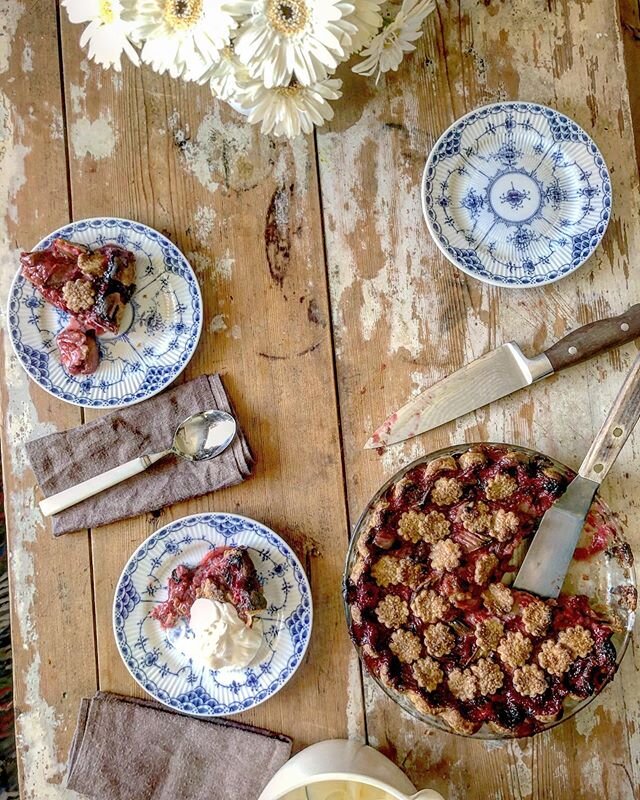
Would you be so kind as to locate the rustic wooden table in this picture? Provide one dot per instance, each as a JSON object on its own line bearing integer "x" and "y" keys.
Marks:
{"x": 326, "y": 303}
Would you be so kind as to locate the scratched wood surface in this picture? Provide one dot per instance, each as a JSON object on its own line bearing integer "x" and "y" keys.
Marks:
{"x": 315, "y": 352}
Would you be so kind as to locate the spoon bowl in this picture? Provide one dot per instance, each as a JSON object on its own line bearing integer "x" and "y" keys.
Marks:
{"x": 204, "y": 435}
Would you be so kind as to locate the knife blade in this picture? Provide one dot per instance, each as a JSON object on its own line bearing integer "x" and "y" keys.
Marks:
{"x": 546, "y": 563}
{"x": 500, "y": 373}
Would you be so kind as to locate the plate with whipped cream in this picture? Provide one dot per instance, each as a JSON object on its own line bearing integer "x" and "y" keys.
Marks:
{"x": 212, "y": 614}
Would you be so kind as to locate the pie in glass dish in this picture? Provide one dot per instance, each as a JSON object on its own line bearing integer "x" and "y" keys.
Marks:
{"x": 431, "y": 612}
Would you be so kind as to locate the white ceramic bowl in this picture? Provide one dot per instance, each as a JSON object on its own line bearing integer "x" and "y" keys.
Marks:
{"x": 343, "y": 760}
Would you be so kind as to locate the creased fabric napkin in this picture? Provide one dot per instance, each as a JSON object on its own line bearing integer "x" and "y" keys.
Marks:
{"x": 130, "y": 749}
{"x": 63, "y": 459}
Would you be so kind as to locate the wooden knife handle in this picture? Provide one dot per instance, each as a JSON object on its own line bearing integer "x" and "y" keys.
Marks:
{"x": 595, "y": 338}
{"x": 615, "y": 431}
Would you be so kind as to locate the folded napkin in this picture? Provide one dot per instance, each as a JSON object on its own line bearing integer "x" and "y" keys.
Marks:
{"x": 128, "y": 749}
{"x": 63, "y": 459}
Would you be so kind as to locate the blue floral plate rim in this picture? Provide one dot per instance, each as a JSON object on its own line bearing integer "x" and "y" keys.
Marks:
{"x": 483, "y": 274}
{"x": 118, "y": 224}
{"x": 121, "y": 611}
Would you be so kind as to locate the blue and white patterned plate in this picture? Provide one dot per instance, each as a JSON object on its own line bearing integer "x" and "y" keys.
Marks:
{"x": 516, "y": 194}
{"x": 158, "y": 336}
{"x": 151, "y": 654}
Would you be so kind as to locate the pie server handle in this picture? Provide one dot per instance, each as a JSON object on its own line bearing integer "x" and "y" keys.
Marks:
{"x": 92, "y": 486}
{"x": 616, "y": 429}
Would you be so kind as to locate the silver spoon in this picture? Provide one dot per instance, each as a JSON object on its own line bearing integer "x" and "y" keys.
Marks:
{"x": 200, "y": 437}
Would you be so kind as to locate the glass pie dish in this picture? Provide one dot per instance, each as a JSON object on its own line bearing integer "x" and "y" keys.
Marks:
{"x": 383, "y": 611}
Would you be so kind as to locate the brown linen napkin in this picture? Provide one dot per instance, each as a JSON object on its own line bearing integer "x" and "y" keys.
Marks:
{"x": 129, "y": 749}
{"x": 63, "y": 459}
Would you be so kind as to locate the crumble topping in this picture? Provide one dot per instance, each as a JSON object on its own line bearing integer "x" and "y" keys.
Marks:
{"x": 472, "y": 458}
{"x": 500, "y": 487}
{"x": 475, "y": 517}
{"x": 503, "y": 525}
{"x": 530, "y": 681}
{"x": 387, "y": 570}
{"x": 462, "y": 684}
{"x": 446, "y": 491}
{"x": 436, "y": 526}
{"x": 423, "y": 706}
{"x": 392, "y": 611}
{"x": 578, "y": 640}
{"x": 92, "y": 264}
{"x": 443, "y": 464}
{"x": 78, "y": 295}
{"x": 428, "y": 674}
{"x": 406, "y": 646}
{"x": 411, "y": 526}
{"x": 445, "y": 555}
{"x": 498, "y": 599}
{"x": 488, "y": 675}
{"x": 438, "y": 640}
{"x": 457, "y": 722}
{"x": 429, "y": 606}
{"x": 404, "y": 483}
{"x": 514, "y": 649}
{"x": 536, "y": 617}
{"x": 484, "y": 567}
{"x": 411, "y": 574}
{"x": 554, "y": 658}
{"x": 489, "y": 632}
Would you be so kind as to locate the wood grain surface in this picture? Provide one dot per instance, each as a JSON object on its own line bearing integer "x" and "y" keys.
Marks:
{"x": 327, "y": 304}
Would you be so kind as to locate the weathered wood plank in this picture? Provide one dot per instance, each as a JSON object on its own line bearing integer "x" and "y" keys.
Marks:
{"x": 403, "y": 317}
{"x": 50, "y": 579}
{"x": 630, "y": 18}
{"x": 245, "y": 211}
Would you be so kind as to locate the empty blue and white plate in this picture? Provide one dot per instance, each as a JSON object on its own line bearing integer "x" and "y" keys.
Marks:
{"x": 159, "y": 334}
{"x": 151, "y": 653}
{"x": 516, "y": 194}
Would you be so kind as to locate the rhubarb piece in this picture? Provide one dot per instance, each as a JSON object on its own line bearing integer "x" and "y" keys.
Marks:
{"x": 93, "y": 286}
{"x": 78, "y": 348}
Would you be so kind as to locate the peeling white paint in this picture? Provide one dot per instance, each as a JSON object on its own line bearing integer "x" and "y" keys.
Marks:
{"x": 523, "y": 777}
{"x": 204, "y": 223}
{"x": 78, "y": 96}
{"x": 10, "y": 14}
{"x": 218, "y": 324}
{"x": 27, "y": 58}
{"x": 36, "y": 721}
{"x": 354, "y": 699}
{"x": 96, "y": 139}
{"x": 223, "y": 266}
{"x": 235, "y": 332}
{"x": 198, "y": 261}
{"x": 198, "y": 151}
{"x": 56, "y": 127}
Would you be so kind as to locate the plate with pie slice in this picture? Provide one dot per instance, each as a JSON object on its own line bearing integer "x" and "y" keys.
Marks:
{"x": 212, "y": 614}
{"x": 431, "y": 612}
{"x": 104, "y": 312}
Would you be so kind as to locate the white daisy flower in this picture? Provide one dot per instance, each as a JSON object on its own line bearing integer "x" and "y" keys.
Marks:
{"x": 225, "y": 77}
{"x": 367, "y": 19}
{"x": 179, "y": 34}
{"x": 387, "y": 49}
{"x": 283, "y": 39}
{"x": 289, "y": 110}
{"x": 107, "y": 34}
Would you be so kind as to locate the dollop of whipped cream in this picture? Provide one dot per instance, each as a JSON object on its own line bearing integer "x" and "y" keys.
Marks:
{"x": 220, "y": 638}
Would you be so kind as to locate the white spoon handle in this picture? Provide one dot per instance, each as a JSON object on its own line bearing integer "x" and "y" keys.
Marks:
{"x": 76, "y": 494}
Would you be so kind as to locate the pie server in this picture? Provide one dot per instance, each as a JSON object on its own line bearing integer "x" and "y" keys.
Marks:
{"x": 547, "y": 560}
{"x": 499, "y": 373}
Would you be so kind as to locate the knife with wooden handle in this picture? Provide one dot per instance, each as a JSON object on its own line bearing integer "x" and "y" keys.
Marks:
{"x": 499, "y": 373}
{"x": 547, "y": 560}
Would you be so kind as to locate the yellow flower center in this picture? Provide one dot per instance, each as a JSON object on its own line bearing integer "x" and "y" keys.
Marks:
{"x": 287, "y": 17}
{"x": 182, "y": 14}
{"x": 106, "y": 12}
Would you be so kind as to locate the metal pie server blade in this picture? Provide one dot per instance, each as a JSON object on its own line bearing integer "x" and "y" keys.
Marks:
{"x": 547, "y": 560}
{"x": 488, "y": 378}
